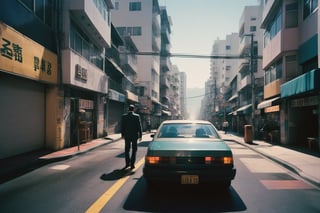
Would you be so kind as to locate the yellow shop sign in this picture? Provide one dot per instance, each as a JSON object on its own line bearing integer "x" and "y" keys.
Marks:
{"x": 22, "y": 56}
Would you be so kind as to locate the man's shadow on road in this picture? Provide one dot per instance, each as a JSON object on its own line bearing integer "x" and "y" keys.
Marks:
{"x": 117, "y": 174}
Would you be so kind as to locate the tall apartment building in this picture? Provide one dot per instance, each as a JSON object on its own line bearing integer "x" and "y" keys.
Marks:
{"x": 141, "y": 20}
{"x": 291, "y": 65}
{"x": 222, "y": 71}
{"x": 28, "y": 75}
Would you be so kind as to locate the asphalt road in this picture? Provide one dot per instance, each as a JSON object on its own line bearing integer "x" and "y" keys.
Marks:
{"x": 94, "y": 182}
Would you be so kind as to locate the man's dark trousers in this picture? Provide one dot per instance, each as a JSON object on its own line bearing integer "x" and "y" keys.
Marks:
{"x": 128, "y": 143}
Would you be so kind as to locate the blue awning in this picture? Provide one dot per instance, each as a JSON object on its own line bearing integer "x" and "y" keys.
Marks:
{"x": 304, "y": 83}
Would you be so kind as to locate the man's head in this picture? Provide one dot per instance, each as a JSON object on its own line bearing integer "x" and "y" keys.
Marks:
{"x": 131, "y": 108}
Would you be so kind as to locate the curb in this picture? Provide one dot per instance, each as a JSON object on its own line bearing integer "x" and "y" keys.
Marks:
{"x": 283, "y": 163}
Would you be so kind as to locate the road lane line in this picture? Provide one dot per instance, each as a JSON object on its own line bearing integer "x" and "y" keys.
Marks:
{"x": 107, "y": 195}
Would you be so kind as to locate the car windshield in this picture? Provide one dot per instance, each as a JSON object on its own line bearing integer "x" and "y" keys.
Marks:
{"x": 187, "y": 131}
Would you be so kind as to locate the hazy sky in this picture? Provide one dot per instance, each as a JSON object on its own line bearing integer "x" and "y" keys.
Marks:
{"x": 196, "y": 24}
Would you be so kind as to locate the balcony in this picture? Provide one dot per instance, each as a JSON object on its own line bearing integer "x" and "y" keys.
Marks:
{"x": 129, "y": 62}
{"x": 245, "y": 45}
{"x": 90, "y": 20}
{"x": 285, "y": 41}
{"x": 244, "y": 67}
{"x": 246, "y": 81}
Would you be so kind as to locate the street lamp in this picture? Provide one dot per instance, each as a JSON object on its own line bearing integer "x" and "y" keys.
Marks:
{"x": 252, "y": 79}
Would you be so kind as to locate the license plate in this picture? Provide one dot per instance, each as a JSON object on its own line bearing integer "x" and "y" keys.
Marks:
{"x": 189, "y": 179}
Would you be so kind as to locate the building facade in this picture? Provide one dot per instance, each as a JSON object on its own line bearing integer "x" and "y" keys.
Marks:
{"x": 86, "y": 26}
{"x": 29, "y": 67}
{"x": 291, "y": 64}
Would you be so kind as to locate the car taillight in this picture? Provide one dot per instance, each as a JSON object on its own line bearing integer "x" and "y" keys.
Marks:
{"x": 152, "y": 159}
{"x": 209, "y": 160}
{"x": 227, "y": 160}
{"x": 224, "y": 160}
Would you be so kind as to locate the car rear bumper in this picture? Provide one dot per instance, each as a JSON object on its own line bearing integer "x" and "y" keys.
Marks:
{"x": 205, "y": 176}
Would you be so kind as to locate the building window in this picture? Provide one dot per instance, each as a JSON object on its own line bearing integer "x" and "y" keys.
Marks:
{"x": 28, "y": 3}
{"x": 154, "y": 76}
{"x": 132, "y": 31}
{"x": 41, "y": 8}
{"x": 309, "y": 6}
{"x": 103, "y": 9}
{"x": 82, "y": 46}
{"x": 273, "y": 27}
{"x": 253, "y": 28}
{"x": 310, "y": 65}
{"x": 228, "y": 47}
{"x": 135, "y": 6}
{"x": 273, "y": 73}
{"x": 291, "y": 15}
{"x": 116, "y": 5}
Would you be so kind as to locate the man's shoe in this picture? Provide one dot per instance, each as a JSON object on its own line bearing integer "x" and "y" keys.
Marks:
{"x": 126, "y": 166}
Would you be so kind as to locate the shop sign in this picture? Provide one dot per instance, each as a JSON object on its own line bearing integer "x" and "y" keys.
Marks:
{"x": 81, "y": 73}
{"x": 275, "y": 108}
{"x": 303, "y": 102}
{"x": 86, "y": 104}
{"x": 22, "y": 56}
{"x": 114, "y": 95}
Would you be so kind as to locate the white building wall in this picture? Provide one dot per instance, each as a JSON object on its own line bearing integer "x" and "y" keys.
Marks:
{"x": 232, "y": 40}
{"x": 218, "y": 65}
{"x": 122, "y": 17}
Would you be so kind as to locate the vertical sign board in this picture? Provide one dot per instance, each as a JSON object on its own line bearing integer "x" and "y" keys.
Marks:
{"x": 22, "y": 56}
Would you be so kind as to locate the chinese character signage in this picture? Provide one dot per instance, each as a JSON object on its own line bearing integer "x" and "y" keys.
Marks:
{"x": 23, "y": 56}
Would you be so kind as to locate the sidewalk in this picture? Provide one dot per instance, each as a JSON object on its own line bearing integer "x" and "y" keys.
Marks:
{"x": 305, "y": 165}
{"x": 18, "y": 165}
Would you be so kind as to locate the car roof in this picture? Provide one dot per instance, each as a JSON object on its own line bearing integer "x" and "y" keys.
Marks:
{"x": 186, "y": 122}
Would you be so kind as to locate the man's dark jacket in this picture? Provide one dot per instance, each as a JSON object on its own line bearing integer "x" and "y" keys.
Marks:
{"x": 131, "y": 126}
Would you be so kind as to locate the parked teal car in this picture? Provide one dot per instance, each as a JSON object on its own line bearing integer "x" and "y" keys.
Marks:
{"x": 188, "y": 152}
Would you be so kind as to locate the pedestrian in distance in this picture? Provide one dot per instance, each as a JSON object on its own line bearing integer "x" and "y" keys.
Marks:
{"x": 131, "y": 131}
{"x": 225, "y": 126}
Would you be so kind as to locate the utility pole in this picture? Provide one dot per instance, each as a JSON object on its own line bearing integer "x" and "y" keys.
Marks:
{"x": 252, "y": 80}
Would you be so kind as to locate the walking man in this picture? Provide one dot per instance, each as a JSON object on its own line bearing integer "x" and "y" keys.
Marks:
{"x": 131, "y": 131}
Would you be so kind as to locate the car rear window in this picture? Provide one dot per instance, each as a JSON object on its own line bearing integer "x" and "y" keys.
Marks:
{"x": 187, "y": 131}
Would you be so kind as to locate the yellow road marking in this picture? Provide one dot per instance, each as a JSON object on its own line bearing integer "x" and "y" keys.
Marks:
{"x": 105, "y": 197}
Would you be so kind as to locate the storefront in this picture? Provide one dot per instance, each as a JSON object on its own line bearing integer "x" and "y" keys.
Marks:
{"x": 115, "y": 108}
{"x": 300, "y": 98}
{"x": 83, "y": 124}
{"x": 269, "y": 124}
{"x": 84, "y": 99}
{"x": 27, "y": 72}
